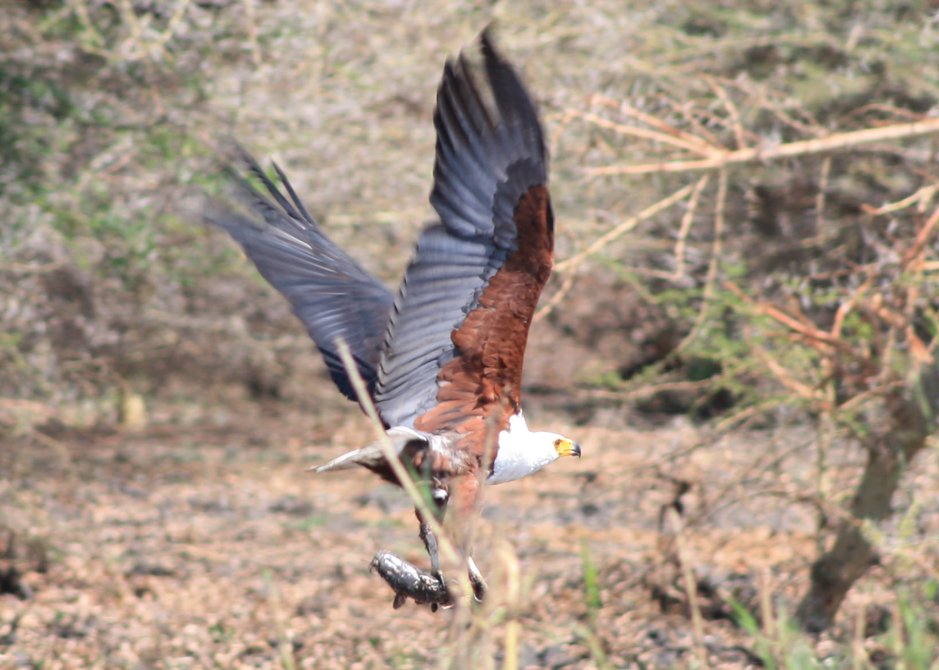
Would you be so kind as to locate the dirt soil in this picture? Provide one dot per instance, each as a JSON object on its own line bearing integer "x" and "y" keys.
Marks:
{"x": 202, "y": 541}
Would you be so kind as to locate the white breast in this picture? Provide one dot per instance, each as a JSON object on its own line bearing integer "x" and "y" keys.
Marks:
{"x": 521, "y": 452}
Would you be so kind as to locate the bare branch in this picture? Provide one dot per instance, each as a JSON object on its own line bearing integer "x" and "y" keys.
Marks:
{"x": 715, "y": 260}
{"x": 686, "y": 226}
{"x": 691, "y": 588}
{"x": 820, "y": 196}
{"x": 556, "y": 298}
{"x": 922, "y": 197}
{"x": 803, "y": 329}
{"x": 731, "y": 110}
{"x": 696, "y": 147}
{"x": 805, "y": 148}
{"x": 28, "y": 268}
{"x": 915, "y": 252}
{"x": 628, "y": 110}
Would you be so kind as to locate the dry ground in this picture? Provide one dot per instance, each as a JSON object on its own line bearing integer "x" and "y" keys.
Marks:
{"x": 203, "y": 542}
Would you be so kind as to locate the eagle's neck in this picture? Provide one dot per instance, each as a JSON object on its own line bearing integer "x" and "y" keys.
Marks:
{"x": 521, "y": 452}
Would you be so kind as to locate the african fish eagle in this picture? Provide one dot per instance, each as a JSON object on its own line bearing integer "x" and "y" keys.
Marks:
{"x": 442, "y": 359}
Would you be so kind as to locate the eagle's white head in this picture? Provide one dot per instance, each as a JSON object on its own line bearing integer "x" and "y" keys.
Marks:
{"x": 522, "y": 452}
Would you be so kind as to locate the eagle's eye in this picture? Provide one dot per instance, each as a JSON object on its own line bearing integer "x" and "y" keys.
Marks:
{"x": 557, "y": 442}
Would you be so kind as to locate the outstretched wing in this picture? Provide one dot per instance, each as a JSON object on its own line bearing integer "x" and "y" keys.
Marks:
{"x": 329, "y": 292}
{"x": 457, "y": 333}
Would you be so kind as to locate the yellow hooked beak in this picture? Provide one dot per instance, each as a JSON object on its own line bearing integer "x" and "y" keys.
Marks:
{"x": 567, "y": 447}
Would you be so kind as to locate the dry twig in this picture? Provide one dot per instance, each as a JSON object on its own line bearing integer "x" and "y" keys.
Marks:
{"x": 628, "y": 110}
{"x": 790, "y": 150}
{"x": 802, "y": 327}
{"x": 922, "y": 197}
{"x": 686, "y": 222}
{"x": 731, "y": 108}
{"x": 715, "y": 260}
{"x": 691, "y": 588}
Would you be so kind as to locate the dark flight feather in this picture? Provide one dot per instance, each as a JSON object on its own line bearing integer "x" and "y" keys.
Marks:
{"x": 489, "y": 161}
{"x": 328, "y": 291}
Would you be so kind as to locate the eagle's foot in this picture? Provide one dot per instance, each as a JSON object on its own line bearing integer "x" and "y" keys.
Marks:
{"x": 476, "y": 579}
{"x": 408, "y": 581}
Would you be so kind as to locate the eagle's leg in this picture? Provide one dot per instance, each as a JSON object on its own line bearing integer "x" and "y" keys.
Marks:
{"x": 430, "y": 544}
{"x": 408, "y": 581}
{"x": 439, "y": 510}
{"x": 475, "y": 576}
{"x": 430, "y": 540}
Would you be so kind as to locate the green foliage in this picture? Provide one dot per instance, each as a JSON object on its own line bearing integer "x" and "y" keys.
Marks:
{"x": 99, "y": 162}
{"x": 591, "y": 582}
{"x": 590, "y": 633}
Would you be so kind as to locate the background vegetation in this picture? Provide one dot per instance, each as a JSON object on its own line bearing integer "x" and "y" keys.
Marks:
{"x": 785, "y": 306}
